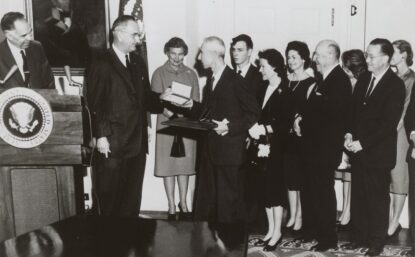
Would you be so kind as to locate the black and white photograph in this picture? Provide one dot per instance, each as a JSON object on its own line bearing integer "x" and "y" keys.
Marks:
{"x": 207, "y": 128}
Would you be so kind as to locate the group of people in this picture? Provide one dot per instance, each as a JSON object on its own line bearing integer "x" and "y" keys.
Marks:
{"x": 282, "y": 130}
{"x": 312, "y": 119}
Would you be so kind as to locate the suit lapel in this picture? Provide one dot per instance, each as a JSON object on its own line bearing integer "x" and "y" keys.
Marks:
{"x": 9, "y": 60}
{"x": 122, "y": 71}
{"x": 378, "y": 88}
{"x": 222, "y": 80}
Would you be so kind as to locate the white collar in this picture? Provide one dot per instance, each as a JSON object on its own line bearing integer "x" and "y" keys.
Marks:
{"x": 380, "y": 76}
{"x": 217, "y": 76}
{"x": 14, "y": 48}
{"x": 326, "y": 74}
{"x": 244, "y": 69}
{"x": 120, "y": 55}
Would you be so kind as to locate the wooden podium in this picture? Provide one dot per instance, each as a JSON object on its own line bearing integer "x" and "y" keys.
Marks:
{"x": 43, "y": 184}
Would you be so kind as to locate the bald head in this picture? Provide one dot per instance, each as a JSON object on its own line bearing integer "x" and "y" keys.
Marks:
{"x": 215, "y": 45}
{"x": 327, "y": 54}
{"x": 212, "y": 52}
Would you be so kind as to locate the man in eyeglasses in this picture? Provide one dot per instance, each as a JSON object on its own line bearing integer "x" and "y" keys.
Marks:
{"x": 21, "y": 50}
{"x": 372, "y": 135}
{"x": 119, "y": 97}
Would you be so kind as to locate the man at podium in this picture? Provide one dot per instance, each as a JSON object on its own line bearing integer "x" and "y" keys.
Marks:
{"x": 22, "y": 60}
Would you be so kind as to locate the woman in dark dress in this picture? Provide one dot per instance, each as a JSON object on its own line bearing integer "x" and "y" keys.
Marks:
{"x": 269, "y": 135}
{"x": 354, "y": 64}
{"x": 298, "y": 59}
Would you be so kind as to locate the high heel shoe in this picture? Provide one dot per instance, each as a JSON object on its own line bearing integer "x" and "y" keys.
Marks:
{"x": 270, "y": 248}
{"x": 184, "y": 215}
{"x": 397, "y": 231}
{"x": 171, "y": 216}
{"x": 261, "y": 242}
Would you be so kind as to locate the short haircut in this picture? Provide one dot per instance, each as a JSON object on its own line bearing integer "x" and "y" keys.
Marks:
{"x": 218, "y": 46}
{"x": 386, "y": 46}
{"x": 122, "y": 21}
{"x": 336, "y": 48}
{"x": 355, "y": 61}
{"x": 176, "y": 42}
{"x": 244, "y": 38}
{"x": 302, "y": 49}
{"x": 276, "y": 60}
{"x": 7, "y": 22}
{"x": 405, "y": 46}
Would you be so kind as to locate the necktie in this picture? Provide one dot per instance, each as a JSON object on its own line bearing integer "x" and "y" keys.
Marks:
{"x": 208, "y": 89}
{"x": 127, "y": 61}
{"x": 129, "y": 66}
{"x": 371, "y": 85}
{"x": 239, "y": 72}
{"x": 26, "y": 71}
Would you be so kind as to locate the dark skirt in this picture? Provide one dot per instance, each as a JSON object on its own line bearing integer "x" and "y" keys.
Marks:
{"x": 292, "y": 172}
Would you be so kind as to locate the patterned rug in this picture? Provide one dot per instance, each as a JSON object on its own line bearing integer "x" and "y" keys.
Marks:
{"x": 292, "y": 248}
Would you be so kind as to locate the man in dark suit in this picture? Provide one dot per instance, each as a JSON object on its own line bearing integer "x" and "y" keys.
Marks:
{"x": 322, "y": 128}
{"x": 119, "y": 95}
{"x": 376, "y": 109}
{"x": 409, "y": 122}
{"x": 19, "y": 49}
{"x": 241, "y": 51}
{"x": 228, "y": 103}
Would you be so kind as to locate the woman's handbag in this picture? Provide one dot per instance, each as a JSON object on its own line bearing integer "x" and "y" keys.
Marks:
{"x": 177, "y": 148}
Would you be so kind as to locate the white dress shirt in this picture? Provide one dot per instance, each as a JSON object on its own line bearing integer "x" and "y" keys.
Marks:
{"x": 244, "y": 70}
{"x": 17, "y": 57}
{"x": 120, "y": 55}
{"x": 217, "y": 76}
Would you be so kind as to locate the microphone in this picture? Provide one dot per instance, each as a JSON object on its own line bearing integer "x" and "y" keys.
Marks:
{"x": 12, "y": 70}
{"x": 67, "y": 70}
{"x": 72, "y": 83}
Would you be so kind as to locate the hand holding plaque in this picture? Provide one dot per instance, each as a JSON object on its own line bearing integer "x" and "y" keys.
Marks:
{"x": 178, "y": 95}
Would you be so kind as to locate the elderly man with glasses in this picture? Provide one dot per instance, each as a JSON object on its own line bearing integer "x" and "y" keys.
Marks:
{"x": 119, "y": 97}
{"x": 377, "y": 107}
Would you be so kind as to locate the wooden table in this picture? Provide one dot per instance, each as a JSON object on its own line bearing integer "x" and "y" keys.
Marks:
{"x": 92, "y": 236}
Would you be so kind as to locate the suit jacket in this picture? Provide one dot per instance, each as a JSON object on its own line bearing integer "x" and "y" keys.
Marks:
{"x": 276, "y": 115}
{"x": 119, "y": 103}
{"x": 409, "y": 118}
{"x": 374, "y": 120}
{"x": 229, "y": 100}
{"x": 41, "y": 75}
{"x": 254, "y": 80}
{"x": 324, "y": 119}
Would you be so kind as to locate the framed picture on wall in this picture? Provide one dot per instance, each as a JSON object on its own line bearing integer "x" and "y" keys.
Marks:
{"x": 71, "y": 31}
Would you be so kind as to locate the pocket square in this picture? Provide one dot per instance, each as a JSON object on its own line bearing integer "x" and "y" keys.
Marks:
{"x": 318, "y": 93}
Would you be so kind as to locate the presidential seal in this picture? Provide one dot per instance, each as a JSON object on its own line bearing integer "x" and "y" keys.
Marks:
{"x": 26, "y": 118}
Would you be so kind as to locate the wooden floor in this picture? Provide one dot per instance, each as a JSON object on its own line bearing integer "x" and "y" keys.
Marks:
{"x": 403, "y": 239}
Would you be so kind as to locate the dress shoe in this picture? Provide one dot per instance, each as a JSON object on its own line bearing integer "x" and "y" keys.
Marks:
{"x": 261, "y": 242}
{"x": 374, "y": 251}
{"x": 171, "y": 216}
{"x": 270, "y": 248}
{"x": 322, "y": 247}
{"x": 184, "y": 215}
{"x": 352, "y": 246}
{"x": 397, "y": 231}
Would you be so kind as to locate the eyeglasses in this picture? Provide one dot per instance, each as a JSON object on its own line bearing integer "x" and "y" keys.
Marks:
{"x": 371, "y": 57}
{"x": 133, "y": 35}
